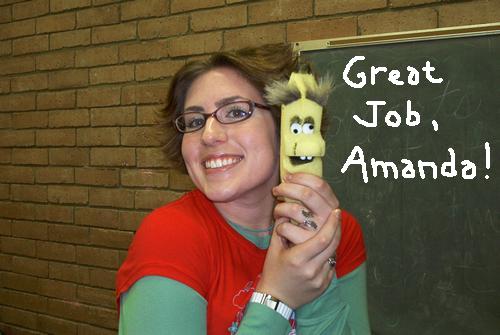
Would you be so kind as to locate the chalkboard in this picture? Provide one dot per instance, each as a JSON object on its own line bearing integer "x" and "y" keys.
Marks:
{"x": 433, "y": 244}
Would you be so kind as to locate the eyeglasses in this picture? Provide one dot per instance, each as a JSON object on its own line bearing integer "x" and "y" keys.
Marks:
{"x": 232, "y": 112}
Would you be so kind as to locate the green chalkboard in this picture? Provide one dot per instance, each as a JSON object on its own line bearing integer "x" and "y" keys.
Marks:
{"x": 433, "y": 244}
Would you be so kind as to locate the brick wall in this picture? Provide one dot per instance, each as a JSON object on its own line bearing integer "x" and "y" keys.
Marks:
{"x": 80, "y": 81}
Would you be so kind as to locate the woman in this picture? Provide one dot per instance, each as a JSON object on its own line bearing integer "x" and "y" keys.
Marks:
{"x": 224, "y": 258}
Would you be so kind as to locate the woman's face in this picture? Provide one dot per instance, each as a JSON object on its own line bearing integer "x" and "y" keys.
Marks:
{"x": 249, "y": 149}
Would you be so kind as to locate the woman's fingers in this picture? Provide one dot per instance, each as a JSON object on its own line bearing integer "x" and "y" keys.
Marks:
{"x": 316, "y": 183}
{"x": 295, "y": 211}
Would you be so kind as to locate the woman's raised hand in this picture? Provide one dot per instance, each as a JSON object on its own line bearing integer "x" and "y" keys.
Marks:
{"x": 297, "y": 268}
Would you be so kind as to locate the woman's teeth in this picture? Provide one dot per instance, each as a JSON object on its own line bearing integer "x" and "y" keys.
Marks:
{"x": 220, "y": 162}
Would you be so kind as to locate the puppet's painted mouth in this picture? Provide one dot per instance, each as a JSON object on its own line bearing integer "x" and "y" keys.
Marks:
{"x": 300, "y": 160}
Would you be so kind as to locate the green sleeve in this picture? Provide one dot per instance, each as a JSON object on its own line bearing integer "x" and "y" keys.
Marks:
{"x": 157, "y": 305}
{"x": 341, "y": 309}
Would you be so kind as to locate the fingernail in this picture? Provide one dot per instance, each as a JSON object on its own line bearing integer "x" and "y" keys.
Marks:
{"x": 288, "y": 177}
{"x": 337, "y": 213}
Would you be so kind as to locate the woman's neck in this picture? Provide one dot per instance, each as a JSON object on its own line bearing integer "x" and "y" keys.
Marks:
{"x": 252, "y": 214}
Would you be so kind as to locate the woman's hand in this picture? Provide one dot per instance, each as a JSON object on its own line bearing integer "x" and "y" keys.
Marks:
{"x": 297, "y": 275}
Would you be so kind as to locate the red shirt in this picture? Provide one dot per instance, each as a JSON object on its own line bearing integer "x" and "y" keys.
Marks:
{"x": 189, "y": 241}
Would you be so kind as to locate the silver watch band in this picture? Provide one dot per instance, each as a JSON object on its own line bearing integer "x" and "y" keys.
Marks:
{"x": 273, "y": 303}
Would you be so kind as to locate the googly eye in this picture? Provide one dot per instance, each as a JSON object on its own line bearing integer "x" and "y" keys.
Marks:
{"x": 296, "y": 128}
{"x": 308, "y": 128}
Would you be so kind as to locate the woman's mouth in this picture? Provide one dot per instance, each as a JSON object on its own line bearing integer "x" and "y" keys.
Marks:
{"x": 221, "y": 162}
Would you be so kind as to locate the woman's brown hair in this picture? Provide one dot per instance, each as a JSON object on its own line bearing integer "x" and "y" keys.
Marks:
{"x": 259, "y": 65}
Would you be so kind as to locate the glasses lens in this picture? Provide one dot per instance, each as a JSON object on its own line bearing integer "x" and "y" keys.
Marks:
{"x": 188, "y": 122}
{"x": 234, "y": 112}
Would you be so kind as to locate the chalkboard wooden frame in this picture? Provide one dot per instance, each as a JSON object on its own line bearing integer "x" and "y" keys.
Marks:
{"x": 467, "y": 294}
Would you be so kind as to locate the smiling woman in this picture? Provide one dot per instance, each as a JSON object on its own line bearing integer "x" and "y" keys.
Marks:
{"x": 225, "y": 259}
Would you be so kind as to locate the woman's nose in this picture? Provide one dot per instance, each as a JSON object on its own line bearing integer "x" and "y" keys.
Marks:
{"x": 213, "y": 132}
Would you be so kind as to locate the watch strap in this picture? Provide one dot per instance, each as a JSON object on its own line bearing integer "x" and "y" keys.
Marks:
{"x": 273, "y": 303}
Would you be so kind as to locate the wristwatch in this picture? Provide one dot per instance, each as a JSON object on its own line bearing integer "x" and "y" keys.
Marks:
{"x": 273, "y": 303}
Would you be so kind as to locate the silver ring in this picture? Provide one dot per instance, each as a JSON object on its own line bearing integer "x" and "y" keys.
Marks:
{"x": 332, "y": 261}
{"x": 309, "y": 223}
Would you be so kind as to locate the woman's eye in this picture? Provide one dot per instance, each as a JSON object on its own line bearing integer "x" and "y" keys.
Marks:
{"x": 308, "y": 128}
{"x": 195, "y": 123}
{"x": 236, "y": 113}
{"x": 296, "y": 128}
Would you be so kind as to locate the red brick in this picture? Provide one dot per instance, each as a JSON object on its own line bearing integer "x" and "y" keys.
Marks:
{"x": 102, "y": 278}
{"x": 54, "y": 213}
{"x": 114, "y": 116}
{"x": 97, "y": 16}
{"x": 186, "y": 5}
{"x": 68, "y": 310}
{"x": 29, "y": 120}
{"x": 196, "y": 44}
{"x": 157, "y": 70}
{"x": 56, "y": 100}
{"x": 254, "y": 36}
{"x": 5, "y": 155}
{"x": 4, "y": 86}
{"x": 5, "y": 14}
{"x": 140, "y": 136}
{"x": 30, "y": 266}
{"x": 144, "y": 93}
{"x": 55, "y": 137}
{"x": 148, "y": 115}
{"x": 97, "y": 136}
{"x": 53, "y": 325}
{"x": 150, "y": 199}
{"x": 28, "y": 193}
{"x": 96, "y": 217}
{"x": 29, "y": 9}
{"x": 180, "y": 181}
{"x": 55, "y": 60}
{"x": 68, "y": 233}
{"x": 21, "y": 282}
{"x": 69, "y": 272}
{"x": 17, "y": 29}
{"x": 119, "y": 198}
{"x": 55, "y": 23}
{"x": 93, "y": 56}
{"x": 163, "y": 27}
{"x": 69, "y": 118}
{"x": 112, "y": 74}
{"x": 326, "y": 7}
{"x": 68, "y": 78}
{"x": 16, "y": 174}
{"x": 5, "y": 48}
{"x": 96, "y": 296}
{"x": 103, "y": 317}
{"x": 112, "y": 156}
{"x": 18, "y": 246}
{"x": 69, "y": 156}
{"x": 225, "y": 17}
{"x": 17, "y": 102}
{"x": 130, "y": 220}
{"x": 97, "y": 176}
{"x": 29, "y": 229}
{"x": 321, "y": 29}
{"x": 4, "y": 195}
{"x": 143, "y": 8}
{"x": 30, "y": 44}
{"x": 85, "y": 329}
{"x": 68, "y": 194}
{"x": 6, "y": 262}
{"x": 144, "y": 51}
{"x": 151, "y": 157}
{"x": 144, "y": 178}
{"x": 281, "y": 10}
{"x": 31, "y": 156}
{"x": 100, "y": 96}
{"x": 57, "y": 289}
{"x": 17, "y": 138}
{"x": 114, "y": 33}
{"x": 60, "y": 5}
{"x": 21, "y": 318}
{"x": 414, "y": 19}
{"x": 13, "y": 65}
{"x": 55, "y": 251}
{"x": 110, "y": 238}
{"x": 469, "y": 13}
{"x": 106, "y": 258}
{"x": 54, "y": 175}
{"x": 407, "y": 3}
{"x": 31, "y": 82}
{"x": 70, "y": 38}
{"x": 5, "y": 225}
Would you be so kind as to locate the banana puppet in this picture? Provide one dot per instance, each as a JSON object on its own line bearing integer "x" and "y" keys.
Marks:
{"x": 302, "y": 100}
